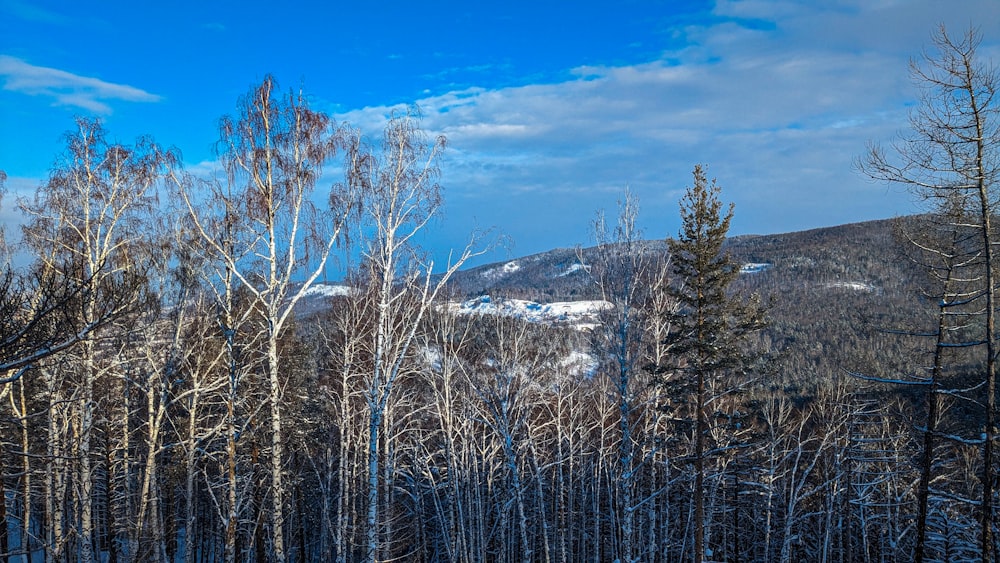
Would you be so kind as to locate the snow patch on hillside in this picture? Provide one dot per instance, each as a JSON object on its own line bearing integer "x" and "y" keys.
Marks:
{"x": 580, "y": 314}
{"x": 327, "y": 290}
{"x": 579, "y": 364}
{"x": 754, "y": 267}
{"x": 573, "y": 269}
{"x": 499, "y": 272}
{"x": 853, "y": 286}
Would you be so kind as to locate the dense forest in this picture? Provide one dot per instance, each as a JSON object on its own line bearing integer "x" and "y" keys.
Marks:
{"x": 172, "y": 388}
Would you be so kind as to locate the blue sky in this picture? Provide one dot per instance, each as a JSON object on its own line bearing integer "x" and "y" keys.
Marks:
{"x": 551, "y": 109}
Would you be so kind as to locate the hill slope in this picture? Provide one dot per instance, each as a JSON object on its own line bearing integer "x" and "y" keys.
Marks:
{"x": 831, "y": 291}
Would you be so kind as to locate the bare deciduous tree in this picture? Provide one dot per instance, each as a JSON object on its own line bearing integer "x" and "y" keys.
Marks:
{"x": 400, "y": 195}
{"x": 87, "y": 225}
{"x": 263, "y": 225}
{"x": 951, "y": 154}
{"x": 629, "y": 274}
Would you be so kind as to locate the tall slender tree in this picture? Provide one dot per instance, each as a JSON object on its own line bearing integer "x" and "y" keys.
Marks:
{"x": 709, "y": 326}
{"x": 952, "y": 153}
{"x": 400, "y": 196}
{"x": 267, "y": 231}
{"x": 626, "y": 271}
{"x": 87, "y": 224}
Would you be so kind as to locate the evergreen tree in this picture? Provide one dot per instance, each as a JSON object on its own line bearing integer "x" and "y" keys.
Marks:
{"x": 709, "y": 326}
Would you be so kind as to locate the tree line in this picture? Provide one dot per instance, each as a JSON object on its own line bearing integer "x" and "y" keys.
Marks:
{"x": 161, "y": 400}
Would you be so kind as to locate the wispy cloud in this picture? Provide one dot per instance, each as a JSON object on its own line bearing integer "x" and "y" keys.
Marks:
{"x": 17, "y": 187}
{"x": 34, "y": 13}
{"x": 66, "y": 88}
{"x": 208, "y": 170}
{"x": 778, "y": 112}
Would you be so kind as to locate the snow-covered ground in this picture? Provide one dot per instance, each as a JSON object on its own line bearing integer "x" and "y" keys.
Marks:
{"x": 580, "y": 364}
{"x": 579, "y": 314}
{"x": 754, "y": 267}
{"x": 573, "y": 269}
{"x": 327, "y": 290}
{"x": 853, "y": 286}
{"x": 501, "y": 271}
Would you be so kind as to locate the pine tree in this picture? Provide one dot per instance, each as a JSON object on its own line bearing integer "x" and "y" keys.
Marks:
{"x": 707, "y": 341}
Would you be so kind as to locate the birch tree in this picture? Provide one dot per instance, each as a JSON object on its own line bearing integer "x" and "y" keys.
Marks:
{"x": 266, "y": 230}
{"x": 626, "y": 272}
{"x": 343, "y": 331}
{"x": 401, "y": 195}
{"x": 86, "y": 224}
{"x": 506, "y": 387}
{"x": 448, "y": 342}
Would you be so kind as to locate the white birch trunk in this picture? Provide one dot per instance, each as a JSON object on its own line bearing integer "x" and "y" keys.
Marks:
{"x": 277, "y": 452}
{"x": 84, "y": 484}
{"x": 371, "y": 523}
{"x": 26, "y": 502}
{"x": 190, "y": 473}
{"x": 55, "y": 474}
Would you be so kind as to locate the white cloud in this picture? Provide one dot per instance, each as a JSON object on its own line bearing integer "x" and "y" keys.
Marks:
{"x": 777, "y": 111}
{"x": 206, "y": 169}
{"x": 65, "y": 88}
{"x": 15, "y": 189}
